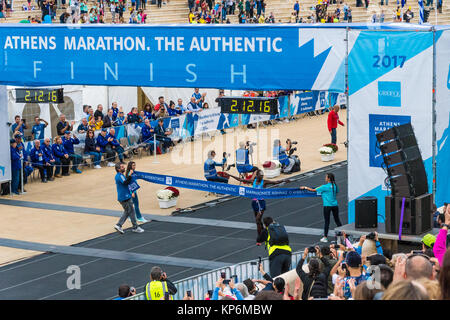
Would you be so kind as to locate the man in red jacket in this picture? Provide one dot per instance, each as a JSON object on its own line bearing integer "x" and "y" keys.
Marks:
{"x": 333, "y": 120}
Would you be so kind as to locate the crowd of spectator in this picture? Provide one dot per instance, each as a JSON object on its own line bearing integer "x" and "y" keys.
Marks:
{"x": 347, "y": 270}
{"x": 206, "y": 11}
{"x": 209, "y": 11}
{"x": 98, "y": 129}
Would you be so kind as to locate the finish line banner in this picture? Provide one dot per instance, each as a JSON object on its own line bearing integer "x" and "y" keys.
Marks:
{"x": 224, "y": 188}
{"x": 232, "y": 56}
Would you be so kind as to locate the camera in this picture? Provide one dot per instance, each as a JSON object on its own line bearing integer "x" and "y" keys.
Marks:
{"x": 311, "y": 250}
{"x": 371, "y": 236}
{"x": 250, "y": 144}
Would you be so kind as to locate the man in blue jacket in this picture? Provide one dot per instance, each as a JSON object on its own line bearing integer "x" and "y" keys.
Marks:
{"x": 38, "y": 161}
{"x": 114, "y": 146}
{"x": 62, "y": 159}
{"x": 124, "y": 198}
{"x": 102, "y": 142}
{"x": 68, "y": 143}
{"x": 15, "y": 166}
{"x": 209, "y": 168}
{"x": 148, "y": 135}
{"x": 49, "y": 158}
{"x": 27, "y": 169}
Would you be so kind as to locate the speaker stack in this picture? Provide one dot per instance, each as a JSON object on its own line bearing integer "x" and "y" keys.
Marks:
{"x": 407, "y": 179}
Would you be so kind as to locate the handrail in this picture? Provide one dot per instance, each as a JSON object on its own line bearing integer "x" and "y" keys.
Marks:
{"x": 201, "y": 283}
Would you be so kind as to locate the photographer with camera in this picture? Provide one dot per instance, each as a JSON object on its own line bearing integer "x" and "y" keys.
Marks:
{"x": 373, "y": 237}
{"x": 209, "y": 168}
{"x": 277, "y": 244}
{"x": 279, "y": 153}
{"x": 315, "y": 282}
{"x": 242, "y": 157}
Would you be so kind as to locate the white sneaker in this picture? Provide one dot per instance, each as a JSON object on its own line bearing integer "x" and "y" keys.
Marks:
{"x": 138, "y": 230}
{"x": 324, "y": 239}
{"x": 143, "y": 220}
{"x": 97, "y": 167}
{"x": 118, "y": 229}
{"x": 111, "y": 164}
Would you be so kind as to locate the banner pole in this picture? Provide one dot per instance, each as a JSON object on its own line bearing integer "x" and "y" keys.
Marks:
{"x": 21, "y": 178}
{"x": 434, "y": 115}
{"x": 154, "y": 149}
{"x": 347, "y": 101}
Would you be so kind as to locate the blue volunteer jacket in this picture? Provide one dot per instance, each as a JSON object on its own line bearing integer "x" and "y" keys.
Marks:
{"x": 147, "y": 134}
{"x": 102, "y": 142}
{"x": 68, "y": 144}
{"x": 35, "y": 158}
{"x": 58, "y": 150}
{"x": 15, "y": 159}
{"x": 209, "y": 168}
{"x": 48, "y": 153}
{"x": 115, "y": 142}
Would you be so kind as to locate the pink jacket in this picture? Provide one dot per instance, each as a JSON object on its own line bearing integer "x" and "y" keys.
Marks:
{"x": 440, "y": 246}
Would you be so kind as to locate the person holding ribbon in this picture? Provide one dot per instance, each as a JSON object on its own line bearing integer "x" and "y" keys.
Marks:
{"x": 328, "y": 192}
{"x": 259, "y": 205}
{"x": 209, "y": 168}
{"x": 133, "y": 186}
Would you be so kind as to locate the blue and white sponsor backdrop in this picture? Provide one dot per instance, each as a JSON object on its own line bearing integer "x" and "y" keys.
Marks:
{"x": 443, "y": 117}
{"x": 5, "y": 159}
{"x": 390, "y": 83}
{"x": 315, "y": 100}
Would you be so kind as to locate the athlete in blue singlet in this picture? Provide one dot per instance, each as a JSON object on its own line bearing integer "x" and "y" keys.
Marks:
{"x": 259, "y": 205}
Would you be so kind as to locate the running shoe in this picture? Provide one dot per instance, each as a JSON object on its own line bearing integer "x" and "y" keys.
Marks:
{"x": 324, "y": 239}
{"x": 118, "y": 229}
{"x": 138, "y": 230}
{"x": 143, "y": 220}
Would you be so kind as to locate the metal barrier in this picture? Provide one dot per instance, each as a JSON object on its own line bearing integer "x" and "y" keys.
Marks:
{"x": 200, "y": 284}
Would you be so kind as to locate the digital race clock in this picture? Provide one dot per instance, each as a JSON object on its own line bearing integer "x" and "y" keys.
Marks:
{"x": 243, "y": 105}
{"x": 40, "y": 95}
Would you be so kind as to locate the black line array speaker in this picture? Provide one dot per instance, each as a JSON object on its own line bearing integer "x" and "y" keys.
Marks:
{"x": 417, "y": 216}
{"x": 366, "y": 212}
{"x": 403, "y": 161}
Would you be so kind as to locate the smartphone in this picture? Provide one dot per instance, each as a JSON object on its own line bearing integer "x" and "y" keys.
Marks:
{"x": 227, "y": 281}
{"x": 259, "y": 260}
{"x": 189, "y": 293}
{"x": 417, "y": 252}
{"x": 210, "y": 293}
{"x": 223, "y": 275}
{"x": 253, "y": 263}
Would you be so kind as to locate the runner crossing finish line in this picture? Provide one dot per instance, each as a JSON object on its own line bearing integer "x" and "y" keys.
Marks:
{"x": 222, "y": 188}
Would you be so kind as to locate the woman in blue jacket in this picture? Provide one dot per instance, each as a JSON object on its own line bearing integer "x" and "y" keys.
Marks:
{"x": 133, "y": 186}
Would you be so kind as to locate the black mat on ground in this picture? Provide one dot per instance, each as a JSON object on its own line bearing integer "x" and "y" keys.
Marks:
{"x": 45, "y": 276}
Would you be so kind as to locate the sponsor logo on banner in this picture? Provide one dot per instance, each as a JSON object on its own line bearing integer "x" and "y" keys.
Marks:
{"x": 379, "y": 123}
{"x": 175, "y": 123}
{"x": 389, "y": 94}
{"x": 169, "y": 180}
{"x": 306, "y": 103}
{"x": 241, "y": 191}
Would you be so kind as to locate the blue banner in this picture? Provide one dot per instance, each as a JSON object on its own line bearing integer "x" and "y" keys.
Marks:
{"x": 223, "y": 188}
{"x": 214, "y": 56}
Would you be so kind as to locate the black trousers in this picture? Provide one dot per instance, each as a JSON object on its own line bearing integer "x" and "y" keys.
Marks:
{"x": 279, "y": 264}
{"x": 46, "y": 172}
{"x": 326, "y": 216}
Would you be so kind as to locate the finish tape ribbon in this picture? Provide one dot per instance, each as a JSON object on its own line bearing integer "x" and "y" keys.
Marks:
{"x": 223, "y": 188}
